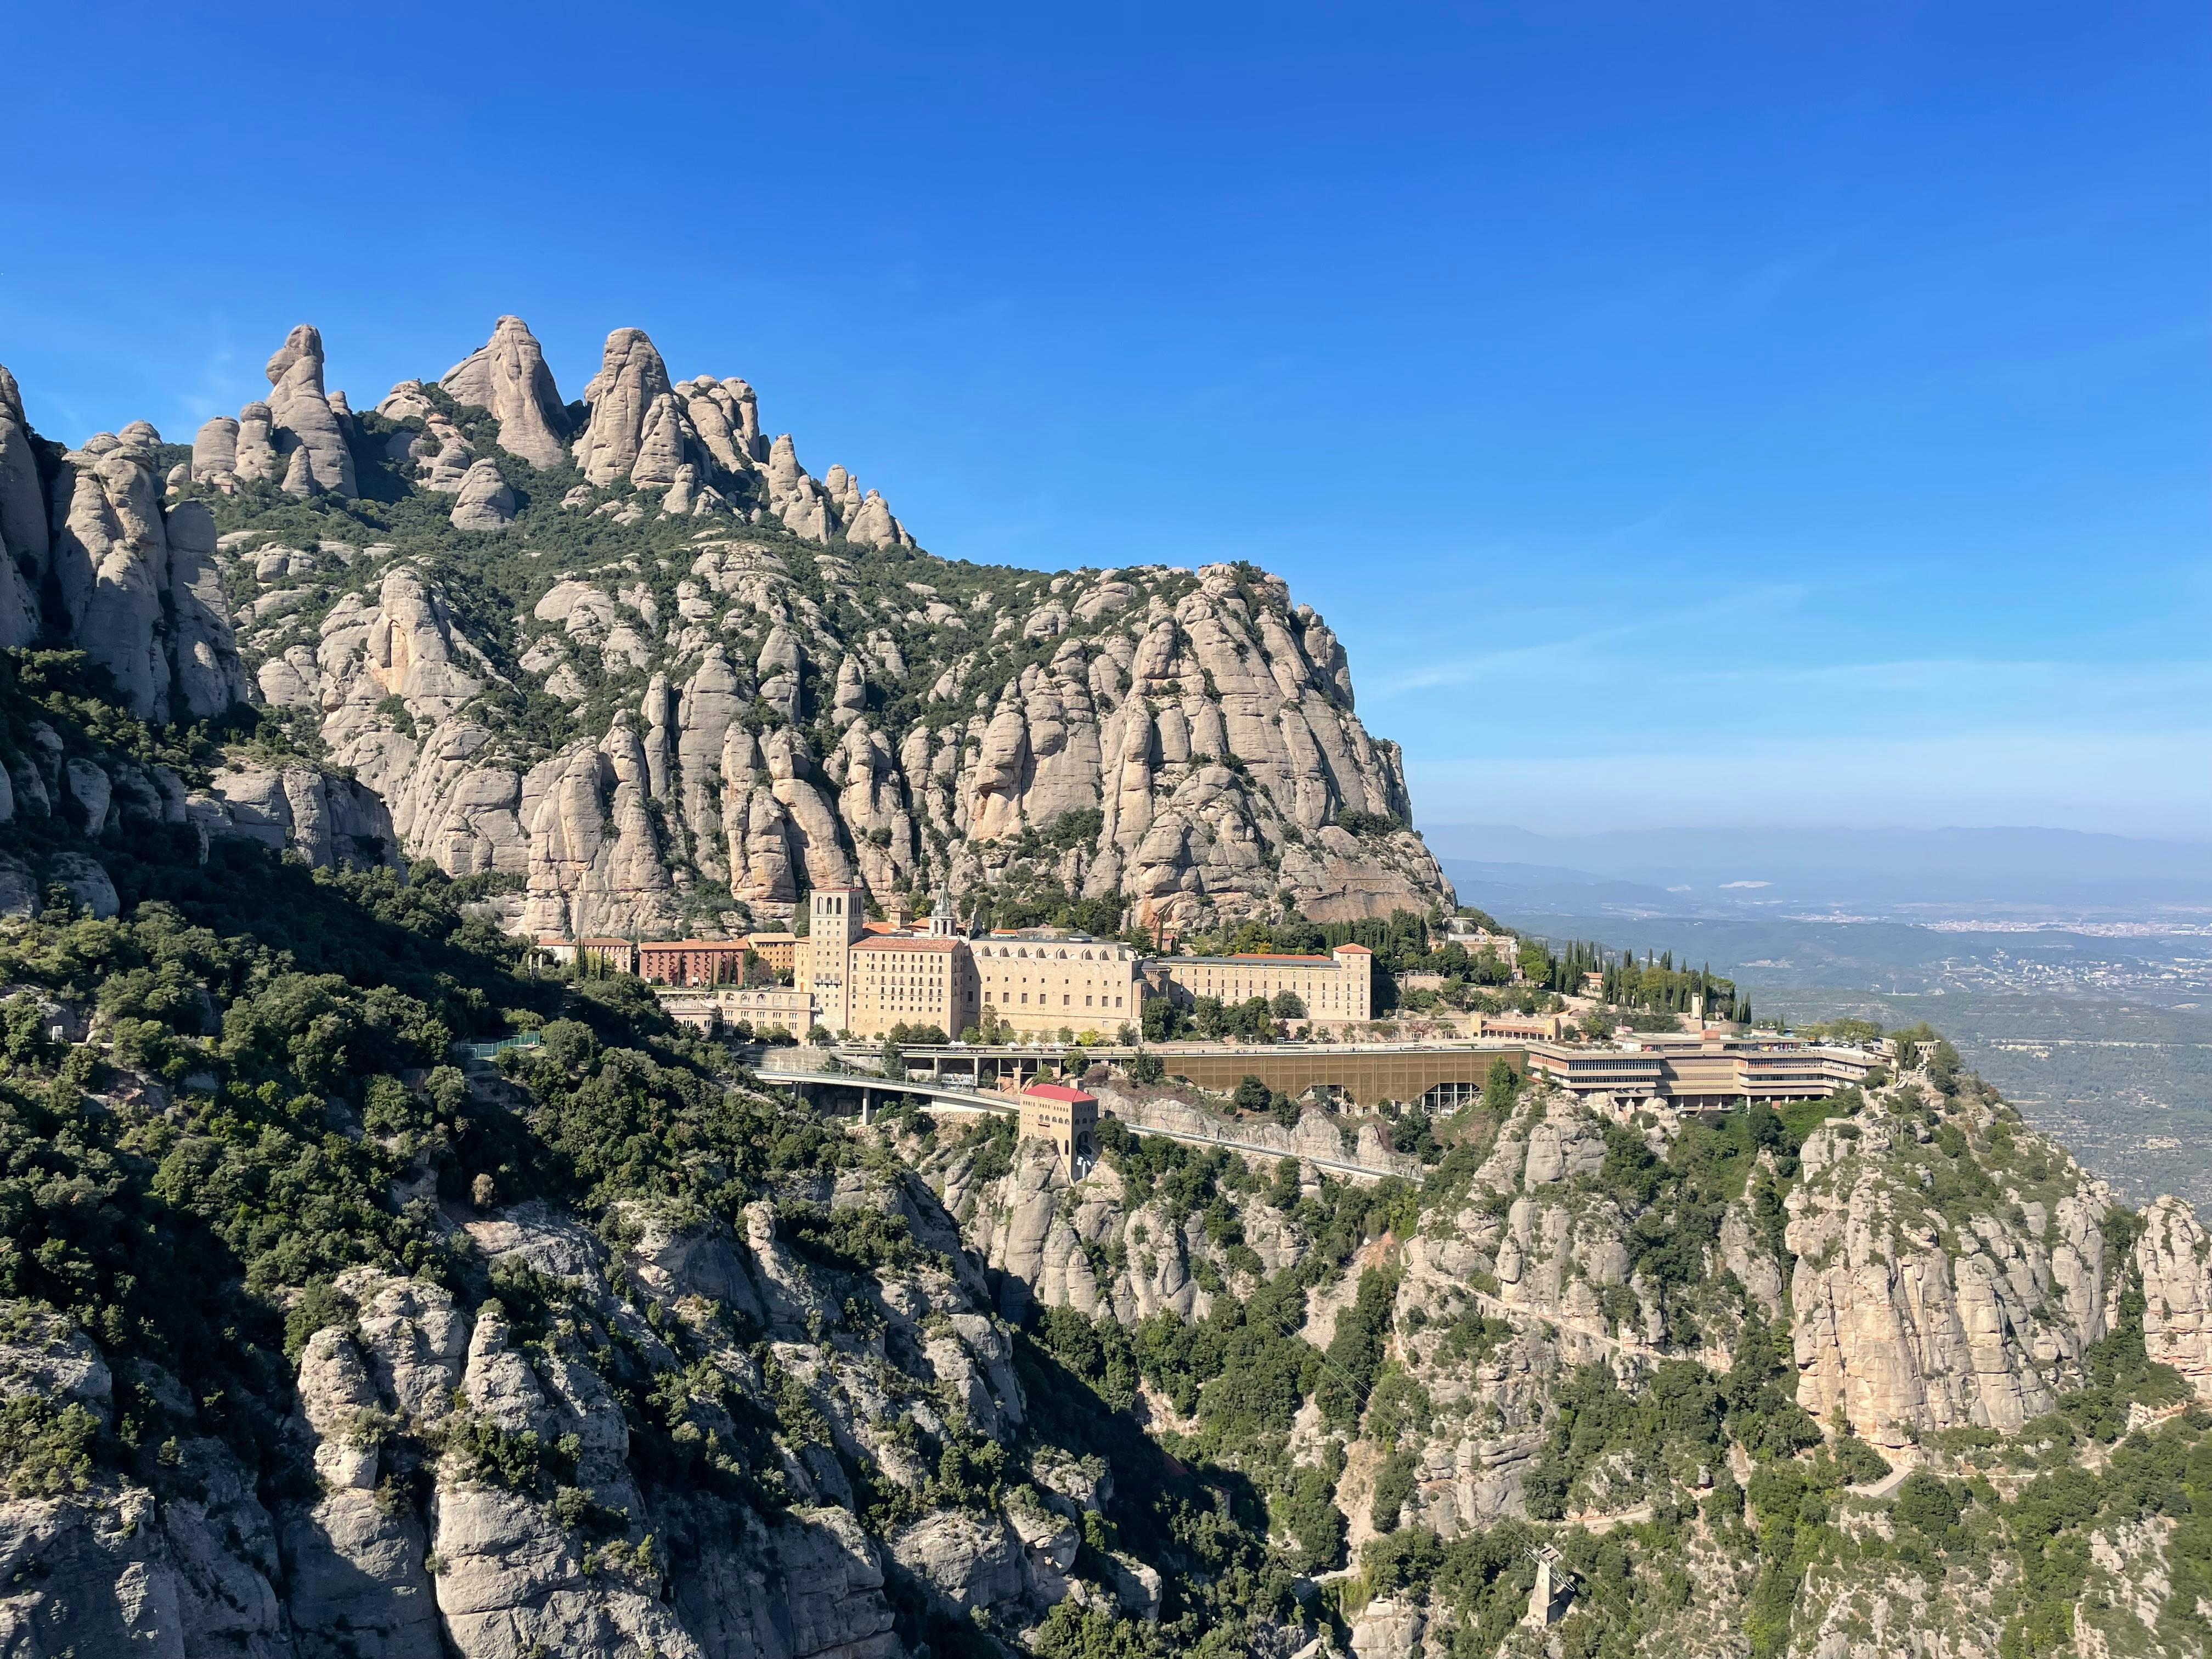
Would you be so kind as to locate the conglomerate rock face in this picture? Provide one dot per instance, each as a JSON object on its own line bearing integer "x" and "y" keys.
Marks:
{"x": 1934, "y": 1265}
{"x": 1913, "y": 1317}
{"x": 405, "y": 1537}
{"x": 736, "y": 681}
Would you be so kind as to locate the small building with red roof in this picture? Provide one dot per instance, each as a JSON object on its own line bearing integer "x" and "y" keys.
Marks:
{"x": 1064, "y": 1118}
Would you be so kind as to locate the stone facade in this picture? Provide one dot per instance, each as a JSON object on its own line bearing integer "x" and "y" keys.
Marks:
{"x": 867, "y": 982}
{"x": 779, "y": 950}
{"x": 1337, "y": 987}
{"x": 823, "y": 958}
{"x": 762, "y": 1007}
{"x": 1041, "y": 981}
{"x": 692, "y": 961}
{"x": 892, "y": 980}
{"x": 613, "y": 955}
{"x": 1064, "y": 1119}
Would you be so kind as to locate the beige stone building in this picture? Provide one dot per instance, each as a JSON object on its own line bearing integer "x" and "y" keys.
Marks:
{"x": 1065, "y": 1119}
{"x": 866, "y": 981}
{"x": 779, "y": 950}
{"x": 1339, "y": 986}
{"x": 1475, "y": 940}
{"x": 822, "y": 959}
{"x": 611, "y": 956}
{"x": 1536, "y": 1028}
{"x": 895, "y": 979}
{"x": 716, "y": 1008}
{"x": 1041, "y": 980}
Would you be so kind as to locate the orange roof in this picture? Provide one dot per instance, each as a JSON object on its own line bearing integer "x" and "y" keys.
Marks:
{"x": 1355, "y": 950}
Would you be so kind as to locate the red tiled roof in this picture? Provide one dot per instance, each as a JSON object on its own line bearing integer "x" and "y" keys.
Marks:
{"x": 1060, "y": 1091}
{"x": 902, "y": 942}
{"x": 1355, "y": 950}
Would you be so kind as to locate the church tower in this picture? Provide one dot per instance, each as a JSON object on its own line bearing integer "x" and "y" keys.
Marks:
{"x": 942, "y": 923}
{"x": 825, "y": 955}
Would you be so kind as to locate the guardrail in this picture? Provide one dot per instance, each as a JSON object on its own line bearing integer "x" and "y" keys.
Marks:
{"x": 974, "y": 1100}
{"x": 493, "y": 1050}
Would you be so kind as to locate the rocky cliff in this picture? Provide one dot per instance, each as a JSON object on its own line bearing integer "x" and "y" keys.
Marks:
{"x": 309, "y": 1347}
{"x": 1920, "y": 1263}
{"x": 631, "y": 653}
{"x": 482, "y": 1482}
{"x": 311, "y": 1344}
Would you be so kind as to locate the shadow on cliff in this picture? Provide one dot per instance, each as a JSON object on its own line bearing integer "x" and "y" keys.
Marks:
{"x": 1168, "y": 1514}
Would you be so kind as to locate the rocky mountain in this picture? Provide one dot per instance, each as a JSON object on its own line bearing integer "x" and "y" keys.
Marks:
{"x": 1908, "y": 1283}
{"x": 631, "y": 655}
{"x": 321, "y": 1338}
{"x": 313, "y": 1343}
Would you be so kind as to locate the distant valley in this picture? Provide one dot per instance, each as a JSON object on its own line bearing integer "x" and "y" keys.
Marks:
{"x": 2078, "y": 977}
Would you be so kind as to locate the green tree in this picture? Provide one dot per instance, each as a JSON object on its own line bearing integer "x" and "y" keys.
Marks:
{"x": 1501, "y": 1083}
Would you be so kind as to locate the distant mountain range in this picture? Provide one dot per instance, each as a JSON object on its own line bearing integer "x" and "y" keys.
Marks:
{"x": 1931, "y": 874}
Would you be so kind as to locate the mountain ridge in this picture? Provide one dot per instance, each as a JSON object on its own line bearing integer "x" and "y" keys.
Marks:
{"x": 314, "y": 1344}
{"x": 630, "y": 653}
{"x": 1958, "y": 866}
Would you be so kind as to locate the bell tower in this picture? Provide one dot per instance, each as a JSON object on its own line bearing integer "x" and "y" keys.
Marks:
{"x": 833, "y": 923}
{"x": 942, "y": 923}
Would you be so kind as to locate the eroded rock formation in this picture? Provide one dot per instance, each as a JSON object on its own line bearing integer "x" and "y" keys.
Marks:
{"x": 508, "y": 375}
{"x": 791, "y": 694}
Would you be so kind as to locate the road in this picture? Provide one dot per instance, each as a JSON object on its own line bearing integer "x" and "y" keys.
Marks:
{"x": 1509, "y": 1311}
{"x": 972, "y": 1100}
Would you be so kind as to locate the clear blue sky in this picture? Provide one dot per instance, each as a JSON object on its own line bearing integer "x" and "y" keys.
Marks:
{"x": 1753, "y": 415}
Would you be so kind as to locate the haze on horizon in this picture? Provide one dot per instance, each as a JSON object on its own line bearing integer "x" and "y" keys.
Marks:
{"x": 1732, "y": 417}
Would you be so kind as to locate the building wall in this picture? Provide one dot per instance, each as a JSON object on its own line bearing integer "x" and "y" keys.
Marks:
{"x": 909, "y": 981}
{"x": 769, "y": 1005}
{"x": 822, "y": 958}
{"x": 762, "y": 1007}
{"x": 1715, "y": 1071}
{"x": 1337, "y": 987}
{"x": 779, "y": 950}
{"x": 1069, "y": 1127}
{"x": 691, "y": 961}
{"x": 1037, "y": 984}
{"x": 616, "y": 956}
{"x": 1536, "y": 1028}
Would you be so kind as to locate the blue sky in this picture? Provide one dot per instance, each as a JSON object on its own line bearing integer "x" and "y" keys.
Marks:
{"x": 1687, "y": 414}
